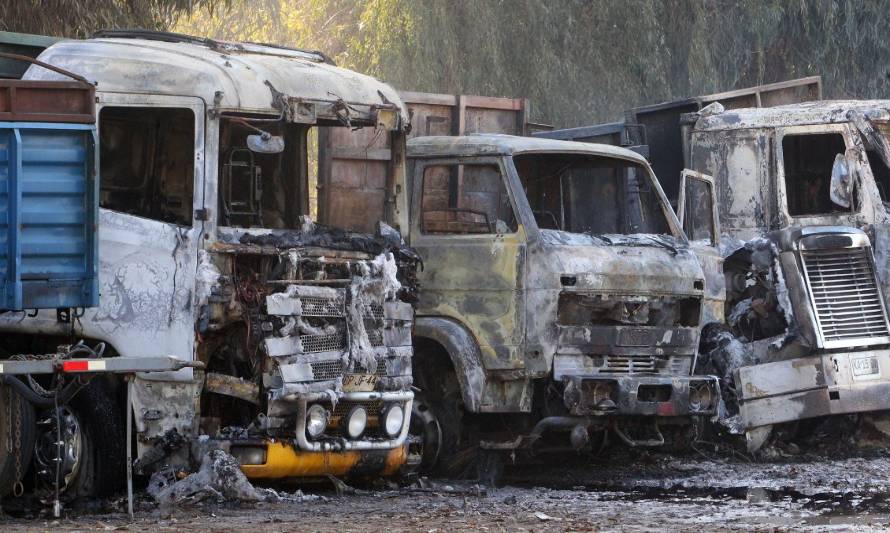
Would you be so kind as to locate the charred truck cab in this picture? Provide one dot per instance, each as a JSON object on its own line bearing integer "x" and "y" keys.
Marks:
{"x": 207, "y": 253}
{"x": 802, "y": 195}
{"x": 558, "y": 288}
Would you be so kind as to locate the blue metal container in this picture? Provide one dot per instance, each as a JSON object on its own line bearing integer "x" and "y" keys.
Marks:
{"x": 48, "y": 216}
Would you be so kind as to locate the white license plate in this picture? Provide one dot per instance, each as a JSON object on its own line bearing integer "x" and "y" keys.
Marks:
{"x": 359, "y": 382}
{"x": 865, "y": 366}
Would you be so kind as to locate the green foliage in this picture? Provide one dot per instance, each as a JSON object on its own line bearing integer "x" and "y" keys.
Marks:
{"x": 579, "y": 61}
{"x": 80, "y": 18}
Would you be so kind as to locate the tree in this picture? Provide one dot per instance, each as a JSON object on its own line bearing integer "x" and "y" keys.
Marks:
{"x": 80, "y": 18}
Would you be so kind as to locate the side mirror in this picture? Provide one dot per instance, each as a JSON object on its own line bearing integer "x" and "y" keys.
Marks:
{"x": 841, "y": 188}
{"x": 265, "y": 143}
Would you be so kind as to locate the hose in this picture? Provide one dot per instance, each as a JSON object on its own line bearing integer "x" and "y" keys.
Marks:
{"x": 39, "y": 400}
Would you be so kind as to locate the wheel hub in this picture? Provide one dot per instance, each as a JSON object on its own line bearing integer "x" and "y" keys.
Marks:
{"x": 58, "y": 451}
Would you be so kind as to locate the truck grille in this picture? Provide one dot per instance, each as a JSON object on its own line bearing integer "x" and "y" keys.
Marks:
{"x": 846, "y": 297}
{"x": 322, "y": 307}
{"x": 326, "y": 370}
{"x": 645, "y": 364}
{"x": 333, "y": 369}
{"x": 335, "y": 342}
{"x": 630, "y": 364}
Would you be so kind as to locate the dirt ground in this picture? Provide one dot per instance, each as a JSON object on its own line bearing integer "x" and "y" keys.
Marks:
{"x": 630, "y": 492}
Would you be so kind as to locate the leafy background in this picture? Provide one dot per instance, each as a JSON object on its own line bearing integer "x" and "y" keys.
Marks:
{"x": 579, "y": 61}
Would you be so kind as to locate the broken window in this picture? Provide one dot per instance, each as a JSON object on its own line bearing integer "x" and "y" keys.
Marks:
{"x": 878, "y": 167}
{"x": 698, "y": 215}
{"x": 809, "y": 160}
{"x": 147, "y": 162}
{"x": 262, "y": 173}
{"x": 589, "y": 194}
{"x": 465, "y": 199}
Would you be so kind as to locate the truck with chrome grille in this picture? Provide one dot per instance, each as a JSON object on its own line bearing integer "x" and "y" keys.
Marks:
{"x": 560, "y": 301}
{"x": 786, "y": 199}
{"x": 234, "y": 304}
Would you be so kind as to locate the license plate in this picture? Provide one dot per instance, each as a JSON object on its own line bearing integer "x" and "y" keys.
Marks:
{"x": 359, "y": 382}
{"x": 865, "y": 366}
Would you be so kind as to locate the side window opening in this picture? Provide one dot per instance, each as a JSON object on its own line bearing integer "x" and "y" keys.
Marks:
{"x": 809, "y": 160}
{"x": 465, "y": 199}
{"x": 147, "y": 162}
{"x": 881, "y": 174}
{"x": 878, "y": 168}
{"x": 698, "y": 216}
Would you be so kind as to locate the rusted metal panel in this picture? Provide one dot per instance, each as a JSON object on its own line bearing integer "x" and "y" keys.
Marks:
{"x": 47, "y": 101}
{"x": 445, "y": 114}
{"x": 354, "y": 169}
{"x": 356, "y": 165}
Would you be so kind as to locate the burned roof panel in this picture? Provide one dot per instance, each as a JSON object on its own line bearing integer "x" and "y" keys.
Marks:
{"x": 246, "y": 76}
{"x": 499, "y": 144}
{"x": 818, "y": 112}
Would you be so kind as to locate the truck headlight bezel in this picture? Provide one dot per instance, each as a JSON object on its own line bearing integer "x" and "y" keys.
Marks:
{"x": 355, "y": 422}
{"x": 392, "y": 418}
{"x": 316, "y": 421}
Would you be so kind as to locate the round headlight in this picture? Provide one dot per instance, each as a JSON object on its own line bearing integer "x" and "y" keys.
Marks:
{"x": 316, "y": 421}
{"x": 700, "y": 397}
{"x": 392, "y": 417}
{"x": 355, "y": 422}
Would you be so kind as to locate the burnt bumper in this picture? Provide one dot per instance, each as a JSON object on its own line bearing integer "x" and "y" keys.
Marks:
{"x": 281, "y": 460}
{"x": 642, "y": 395}
{"x": 807, "y": 387}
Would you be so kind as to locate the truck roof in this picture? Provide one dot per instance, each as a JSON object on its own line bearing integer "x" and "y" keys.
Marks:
{"x": 246, "y": 76}
{"x": 476, "y": 144}
{"x": 818, "y": 112}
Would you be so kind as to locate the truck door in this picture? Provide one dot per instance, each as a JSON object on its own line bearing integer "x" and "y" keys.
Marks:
{"x": 464, "y": 226}
{"x": 697, "y": 211}
{"x": 151, "y": 162}
{"x": 808, "y": 159}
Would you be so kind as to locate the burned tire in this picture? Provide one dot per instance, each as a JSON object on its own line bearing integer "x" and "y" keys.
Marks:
{"x": 93, "y": 454}
{"x": 435, "y": 426}
{"x": 17, "y": 433}
{"x": 437, "y": 414}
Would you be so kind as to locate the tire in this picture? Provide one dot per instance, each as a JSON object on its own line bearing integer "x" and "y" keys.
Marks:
{"x": 15, "y": 459}
{"x": 436, "y": 417}
{"x": 94, "y": 433}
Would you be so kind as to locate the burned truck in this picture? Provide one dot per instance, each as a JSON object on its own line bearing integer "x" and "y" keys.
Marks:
{"x": 560, "y": 300}
{"x": 797, "y": 205}
{"x": 291, "y": 333}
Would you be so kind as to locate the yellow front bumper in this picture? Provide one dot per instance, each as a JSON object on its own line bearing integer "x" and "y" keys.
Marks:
{"x": 283, "y": 461}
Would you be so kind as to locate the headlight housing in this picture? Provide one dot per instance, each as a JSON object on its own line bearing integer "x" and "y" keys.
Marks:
{"x": 392, "y": 418}
{"x": 701, "y": 397}
{"x": 316, "y": 421}
{"x": 355, "y": 422}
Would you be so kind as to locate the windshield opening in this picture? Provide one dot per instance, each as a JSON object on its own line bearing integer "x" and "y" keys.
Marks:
{"x": 262, "y": 186}
{"x": 591, "y": 194}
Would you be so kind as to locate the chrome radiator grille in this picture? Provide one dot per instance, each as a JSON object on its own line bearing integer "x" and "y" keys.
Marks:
{"x": 643, "y": 364}
{"x": 846, "y": 297}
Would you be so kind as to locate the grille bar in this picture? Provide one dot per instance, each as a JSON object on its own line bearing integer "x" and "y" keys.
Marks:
{"x": 846, "y": 297}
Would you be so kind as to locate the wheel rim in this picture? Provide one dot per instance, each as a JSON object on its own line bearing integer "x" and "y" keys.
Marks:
{"x": 425, "y": 436}
{"x": 47, "y": 450}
